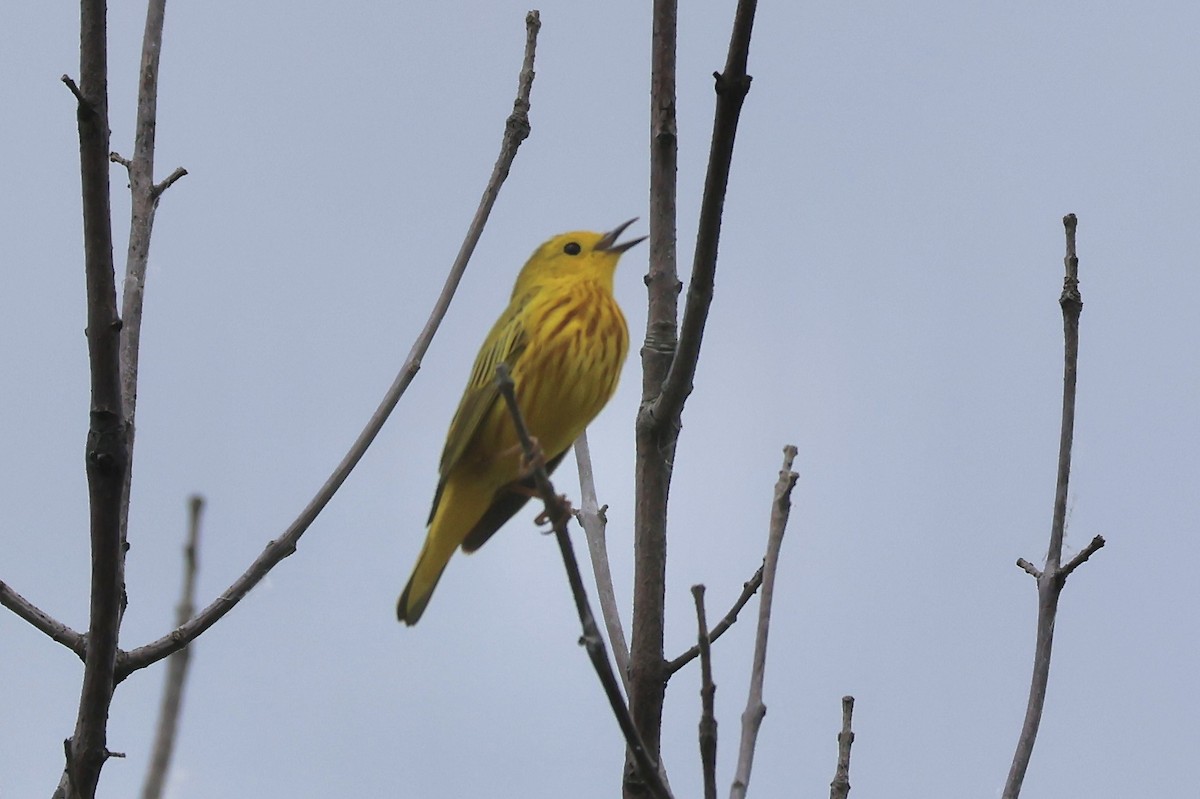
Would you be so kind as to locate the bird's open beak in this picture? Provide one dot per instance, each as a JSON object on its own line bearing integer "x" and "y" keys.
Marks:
{"x": 609, "y": 242}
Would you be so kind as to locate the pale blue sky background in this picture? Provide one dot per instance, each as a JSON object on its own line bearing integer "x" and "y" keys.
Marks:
{"x": 886, "y": 300}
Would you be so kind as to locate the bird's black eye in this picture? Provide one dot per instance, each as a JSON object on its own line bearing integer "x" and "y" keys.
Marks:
{"x": 572, "y": 248}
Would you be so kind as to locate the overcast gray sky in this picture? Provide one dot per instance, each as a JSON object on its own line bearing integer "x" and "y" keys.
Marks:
{"x": 886, "y": 300}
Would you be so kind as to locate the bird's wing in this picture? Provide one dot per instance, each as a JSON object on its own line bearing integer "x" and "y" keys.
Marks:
{"x": 504, "y": 344}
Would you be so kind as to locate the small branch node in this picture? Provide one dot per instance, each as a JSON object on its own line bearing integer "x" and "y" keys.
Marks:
{"x": 840, "y": 787}
{"x": 167, "y": 182}
{"x": 1093, "y": 546}
{"x": 1070, "y": 294}
{"x": 70, "y": 83}
{"x": 1032, "y": 570}
{"x": 117, "y": 158}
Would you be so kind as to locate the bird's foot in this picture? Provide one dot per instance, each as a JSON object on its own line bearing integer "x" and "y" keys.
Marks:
{"x": 562, "y": 509}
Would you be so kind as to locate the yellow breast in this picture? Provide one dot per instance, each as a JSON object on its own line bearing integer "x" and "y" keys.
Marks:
{"x": 577, "y": 343}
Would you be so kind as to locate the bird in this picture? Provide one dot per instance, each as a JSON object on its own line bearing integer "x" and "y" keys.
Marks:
{"x": 564, "y": 340}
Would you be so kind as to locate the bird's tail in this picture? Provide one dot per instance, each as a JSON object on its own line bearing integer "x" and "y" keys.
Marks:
{"x": 419, "y": 589}
{"x": 457, "y": 511}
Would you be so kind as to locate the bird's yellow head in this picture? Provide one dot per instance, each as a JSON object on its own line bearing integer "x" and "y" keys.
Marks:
{"x": 579, "y": 255}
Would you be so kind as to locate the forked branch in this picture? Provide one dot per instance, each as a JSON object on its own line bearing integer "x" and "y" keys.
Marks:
{"x": 559, "y": 513}
{"x": 732, "y": 86}
{"x": 1052, "y": 578}
{"x": 749, "y": 588}
{"x": 669, "y": 359}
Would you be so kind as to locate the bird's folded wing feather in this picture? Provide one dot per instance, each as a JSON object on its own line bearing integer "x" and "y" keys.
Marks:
{"x": 504, "y": 344}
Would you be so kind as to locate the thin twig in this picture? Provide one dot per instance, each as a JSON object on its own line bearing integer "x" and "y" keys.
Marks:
{"x": 177, "y": 663}
{"x": 755, "y": 709}
{"x": 41, "y": 620}
{"x": 840, "y": 787}
{"x": 169, "y": 181}
{"x": 143, "y": 204}
{"x": 516, "y": 130}
{"x": 749, "y": 589}
{"x": 708, "y": 719}
{"x": 1093, "y": 546}
{"x": 69, "y": 82}
{"x": 558, "y": 512}
{"x": 593, "y": 521}
{"x": 1030, "y": 569}
{"x": 1052, "y": 578}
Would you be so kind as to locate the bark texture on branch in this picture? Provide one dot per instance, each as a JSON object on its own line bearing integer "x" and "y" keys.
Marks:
{"x": 669, "y": 359}
{"x": 106, "y": 452}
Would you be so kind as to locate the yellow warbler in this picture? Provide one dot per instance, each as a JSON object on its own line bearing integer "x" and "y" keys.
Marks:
{"x": 564, "y": 340}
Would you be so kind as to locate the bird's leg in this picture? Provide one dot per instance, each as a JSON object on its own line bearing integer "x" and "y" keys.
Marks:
{"x": 527, "y": 465}
{"x": 524, "y": 484}
{"x": 538, "y": 461}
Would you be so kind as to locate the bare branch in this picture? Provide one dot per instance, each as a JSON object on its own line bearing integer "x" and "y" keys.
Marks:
{"x": 1030, "y": 569}
{"x": 107, "y": 445}
{"x": 1093, "y": 546}
{"x": 840, "y": 787}
{"x": 708, "y": 720}
{"x": 755, "y": 709}
{"x": 655, "y": 452}
{"x": 731, "y": 86}
{"x": 749, "y": 589}
{"x": 169, "y": 181}
{"x": 177, "y": 663}
{"x": 593, "y": 521}
{"x": 1052, "y": 578}
{"x": 70, "y": 84}
{"x": 558, "y": 512}
{"x": 144, "y": 196}
{"x": 516, "y": 130}
{"x": 668, "y": 363}
{"x": 41, "y": 620}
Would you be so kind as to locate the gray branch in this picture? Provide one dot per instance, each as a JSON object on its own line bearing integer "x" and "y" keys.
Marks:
{"x": 177, "y": 663}
{"x": 1052, "y": 578}
{"x": 41, "y": 620}
{"x": 593, "y": 521}
{"x": 840, "y": 787}
{"x": 749, "y": 589}
{"x": 708, "y": 691}
{"x": 755, "y": 709}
